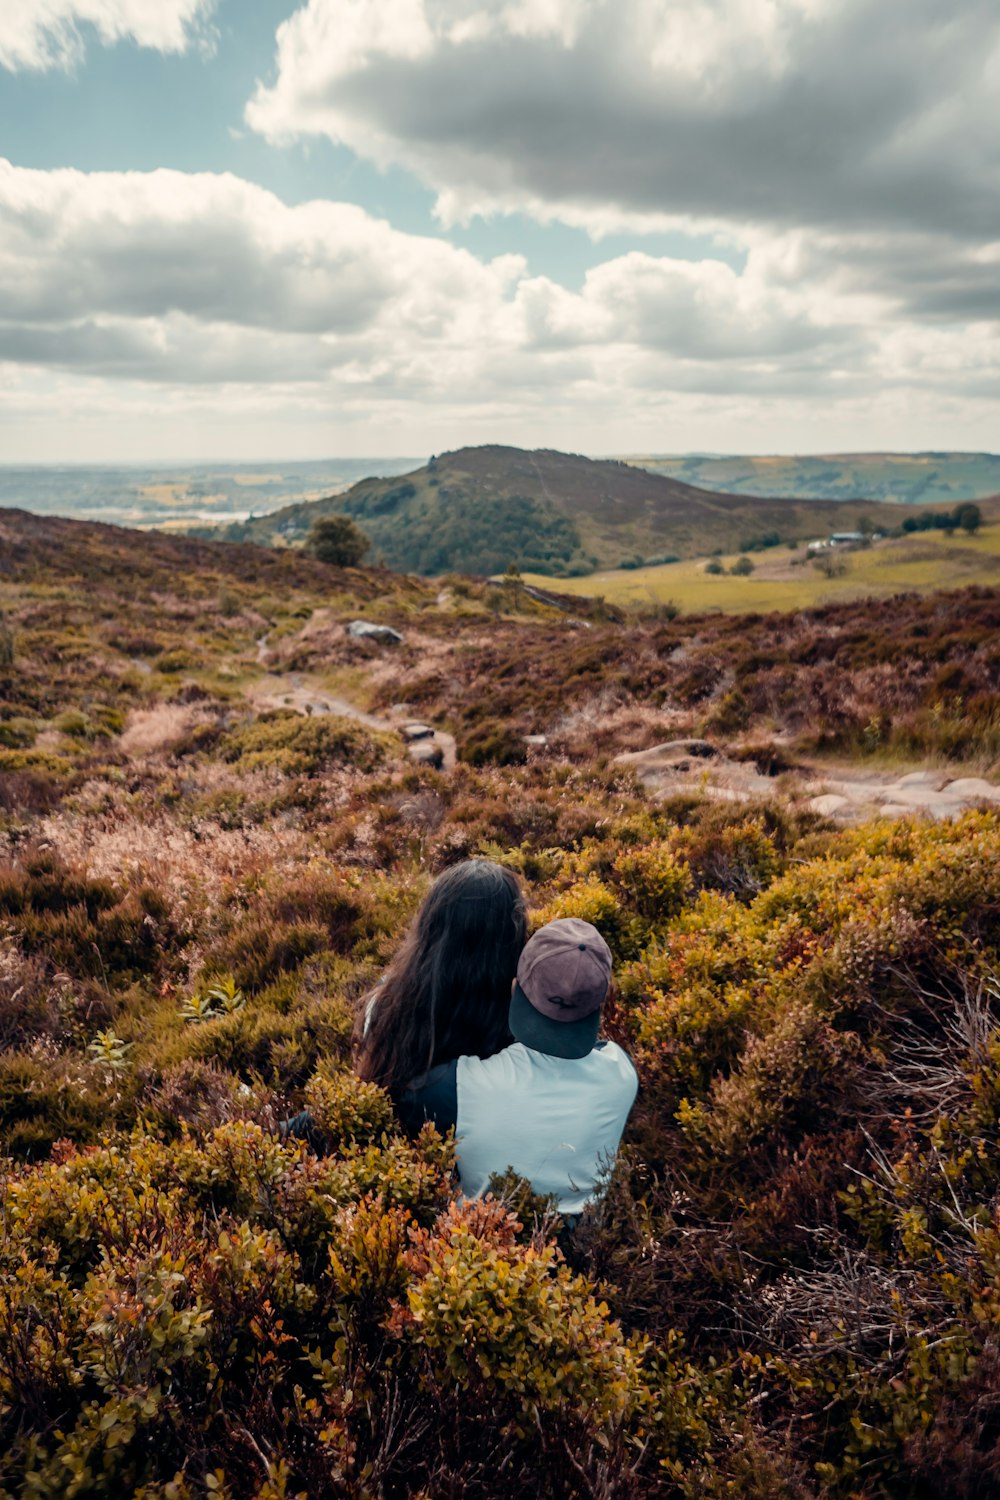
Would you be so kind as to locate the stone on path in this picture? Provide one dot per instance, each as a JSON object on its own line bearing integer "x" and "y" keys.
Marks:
{"x": 366, "y": 630}
{"x": 427, "y": 753}
{"x": 414, "y": 731}
{"x": 672, "y": 753}
{"x": 972, "y": 789}
{"x": 827, "y": 805}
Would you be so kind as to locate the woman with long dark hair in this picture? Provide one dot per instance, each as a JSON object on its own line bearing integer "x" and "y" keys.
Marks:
{"x": 446, "y": 993}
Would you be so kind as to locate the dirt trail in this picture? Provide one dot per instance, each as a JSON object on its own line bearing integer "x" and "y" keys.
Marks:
{"x": 302, "y": 694}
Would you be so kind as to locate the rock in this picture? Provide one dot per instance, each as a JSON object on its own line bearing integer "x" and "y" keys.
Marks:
{"x": 382, "y": 635}
{"x": 669, "y": 754}
{"x": 427, "y": 753}
{"x": 412, "y": 732}
{"x": 921, "y": 778}
{"x": 972, "y": 789}
{"x": 537, "y": 740}
{"x": 827, "y": 805}
{"x": 896, "y": 810}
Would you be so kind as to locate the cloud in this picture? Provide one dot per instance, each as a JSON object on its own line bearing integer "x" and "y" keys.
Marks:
{"x": 42, "y": 34}
{"x": 858, "y": 115}
{"x": 132, "y": 269}
{"x": 233, "y": 307}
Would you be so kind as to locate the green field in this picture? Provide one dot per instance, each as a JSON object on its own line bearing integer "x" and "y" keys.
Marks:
{"x": 781, "y": 580}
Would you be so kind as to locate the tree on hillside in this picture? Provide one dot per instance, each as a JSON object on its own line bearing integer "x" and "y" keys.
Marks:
{"x": 336, "y": 540}
{"x": 741, "y": 568}
{"x": 969, "y": 517}
{"x": 512, "y": 582}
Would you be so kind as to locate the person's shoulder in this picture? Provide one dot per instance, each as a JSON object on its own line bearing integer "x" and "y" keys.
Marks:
{"x": 471, "y": 1067}
{"x": 616, "y": 1058}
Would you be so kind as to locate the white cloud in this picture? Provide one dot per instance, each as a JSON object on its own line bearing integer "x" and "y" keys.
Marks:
{"x": 853, "y": 114}
{"x": 203, "y": 301}
{"x": 41, "y": 34}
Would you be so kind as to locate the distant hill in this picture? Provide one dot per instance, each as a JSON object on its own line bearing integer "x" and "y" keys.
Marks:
{"x": 91, "y": 557}
{"x": 479, "y": 509}
{"x": 941, "y": 479}
{"x": 183, "y": 495}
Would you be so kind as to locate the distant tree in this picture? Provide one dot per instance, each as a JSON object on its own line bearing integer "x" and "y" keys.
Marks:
{"x": 494, "y": 601}
{"x": 969, "y": 517}
{"x": 512, "y": 583}
{"x": 336, "y": 540}
{"x": 714, "y": 566}
{"x": 741, "y": 568}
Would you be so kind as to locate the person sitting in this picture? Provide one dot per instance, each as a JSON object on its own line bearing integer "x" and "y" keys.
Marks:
{"x": 553, "y": 1105}
{"x": 447, "y": 990}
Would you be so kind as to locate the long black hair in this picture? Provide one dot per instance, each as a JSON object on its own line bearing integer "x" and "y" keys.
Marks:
{"x": 446, "y": 993}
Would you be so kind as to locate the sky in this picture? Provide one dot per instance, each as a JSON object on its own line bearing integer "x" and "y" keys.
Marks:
{"x": 261, "y": 229}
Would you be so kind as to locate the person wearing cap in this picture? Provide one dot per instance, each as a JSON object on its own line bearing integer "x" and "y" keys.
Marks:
{"x": 553, "y": 1105}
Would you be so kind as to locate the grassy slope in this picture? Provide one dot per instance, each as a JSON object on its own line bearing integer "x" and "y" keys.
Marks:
{"x": 924, "y": 562}
{"x": 479, "y": 509}
{"x": 910, "y": 478}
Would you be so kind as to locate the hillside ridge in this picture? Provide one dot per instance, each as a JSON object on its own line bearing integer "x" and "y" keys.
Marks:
{"x": 478, "y": 509}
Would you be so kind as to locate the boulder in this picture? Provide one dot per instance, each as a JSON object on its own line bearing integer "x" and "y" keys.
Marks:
{"x": 413, "y": 732}
{"x": 671, "y": 753}
{"x": 827, "y": 805}
{"x": 427, "y": 753}
{"x": 973, "y": 789}
{"x": 366, "y": 630}
{"x": 537, "y": 741}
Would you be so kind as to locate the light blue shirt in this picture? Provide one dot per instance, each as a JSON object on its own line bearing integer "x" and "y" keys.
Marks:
{"x": 557, "y": 1121}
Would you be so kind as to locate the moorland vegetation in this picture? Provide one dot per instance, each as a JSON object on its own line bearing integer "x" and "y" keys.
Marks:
{"x": 792, "y": 1286}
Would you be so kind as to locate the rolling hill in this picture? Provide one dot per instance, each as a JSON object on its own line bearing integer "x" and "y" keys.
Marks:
{"x": 942, "y": 479}
{"x": 479, "y": 509}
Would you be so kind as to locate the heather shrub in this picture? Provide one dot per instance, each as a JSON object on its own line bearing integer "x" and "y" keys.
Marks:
{"x": 45, "y": 1098}
{"x": 490, "y": 1310}
{"x": 347, "y": 1110}
{"x": 493, "y": 744}
{"x": 787, "y": 1287}
{"x": 18, "y": 733}
{"x": 653, "y": 881}
{"x": 301, "y": 745}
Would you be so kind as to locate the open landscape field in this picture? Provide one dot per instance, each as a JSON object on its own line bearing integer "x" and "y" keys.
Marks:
{"x": 212, "y": 837}
{"x": 784, "y": 578}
